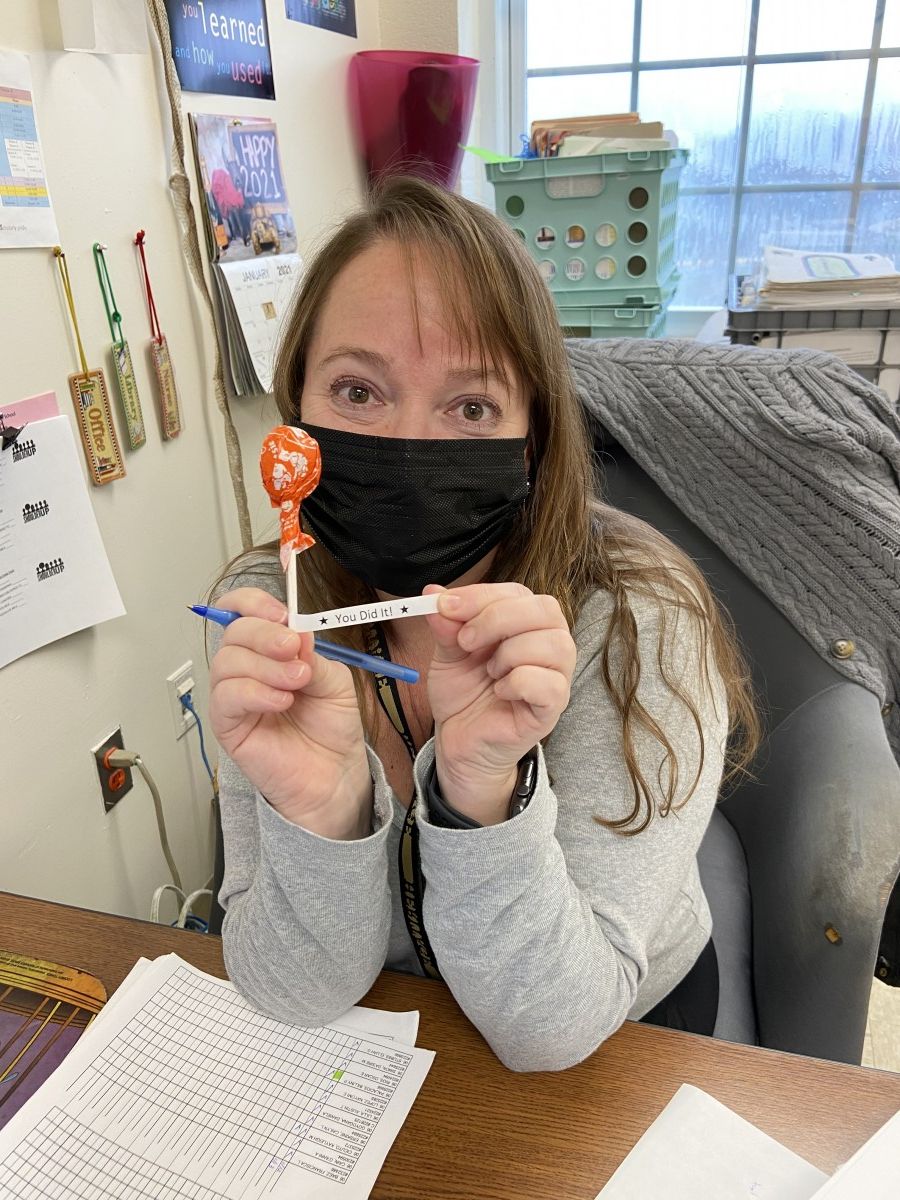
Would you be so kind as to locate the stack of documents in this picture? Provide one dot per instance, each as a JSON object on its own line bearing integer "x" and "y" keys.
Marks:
{"x": 180, "y": 1089}
{"x": 608, "y": 133}
{"x": 697, "y": 1148}
{"x": 821, "y": 279}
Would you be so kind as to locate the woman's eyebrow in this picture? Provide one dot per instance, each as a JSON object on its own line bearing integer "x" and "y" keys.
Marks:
{"x": 370, "y": 356}
{"x": 465, "y": 374}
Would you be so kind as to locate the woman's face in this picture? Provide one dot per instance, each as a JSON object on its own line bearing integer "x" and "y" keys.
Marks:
{"x": 369, "y": 370}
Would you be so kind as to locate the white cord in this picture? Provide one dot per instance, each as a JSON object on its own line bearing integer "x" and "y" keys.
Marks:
{"x": 188, "y": 904}
{"x": 157, "y": 897}
{"x": 127, "y": 758}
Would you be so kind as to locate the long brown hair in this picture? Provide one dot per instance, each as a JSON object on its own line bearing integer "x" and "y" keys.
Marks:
{"x": 566, "y": 543}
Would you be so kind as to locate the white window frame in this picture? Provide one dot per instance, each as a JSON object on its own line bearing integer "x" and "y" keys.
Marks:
{"x": 518, "y": 107}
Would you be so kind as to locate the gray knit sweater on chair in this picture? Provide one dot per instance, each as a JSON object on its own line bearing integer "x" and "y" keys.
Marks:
{"x": 790, "y": 462}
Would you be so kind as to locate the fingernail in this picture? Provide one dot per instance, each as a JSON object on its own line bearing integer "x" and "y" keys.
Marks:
{"x": 449, "y": 603}
{"x": 467, "y": 638}
{"x": 295, "y": 670}
{"x": 276, "y": 612}
{"x": 286, "y": 639}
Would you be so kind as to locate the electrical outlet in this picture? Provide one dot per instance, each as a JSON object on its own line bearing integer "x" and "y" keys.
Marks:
{"x": 115, "y": 782}
{"x": 179, "y": 684}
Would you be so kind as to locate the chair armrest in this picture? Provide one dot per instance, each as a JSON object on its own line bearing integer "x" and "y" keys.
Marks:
{"x": 820, "y": 827}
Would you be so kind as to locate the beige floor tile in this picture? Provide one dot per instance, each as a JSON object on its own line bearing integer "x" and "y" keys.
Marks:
{"x": 883, "y": 1031}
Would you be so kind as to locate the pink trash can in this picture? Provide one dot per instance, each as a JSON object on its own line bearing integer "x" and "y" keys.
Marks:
{"x": 411, "y": 111}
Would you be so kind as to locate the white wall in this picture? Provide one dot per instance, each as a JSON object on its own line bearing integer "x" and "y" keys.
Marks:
{"x": 170, "y": 523}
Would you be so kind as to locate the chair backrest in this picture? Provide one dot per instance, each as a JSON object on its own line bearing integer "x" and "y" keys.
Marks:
{"x": 819, "y": 821}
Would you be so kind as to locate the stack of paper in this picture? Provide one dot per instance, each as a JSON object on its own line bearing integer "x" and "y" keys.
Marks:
{"x": 569, "y": 137}
{"x": 821, "y": 279}
{"x": 697, "y": 1147}
{"x": 180, "y": 1089}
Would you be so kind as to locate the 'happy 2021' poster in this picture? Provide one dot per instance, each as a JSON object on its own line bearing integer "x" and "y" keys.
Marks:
{"x": 222, "y": 46}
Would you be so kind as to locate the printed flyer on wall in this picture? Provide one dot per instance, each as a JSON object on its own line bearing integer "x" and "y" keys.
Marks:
{"x": 26, "y": 214}
{"x": 222, "y": 46}
{"x": 337, "y": 15}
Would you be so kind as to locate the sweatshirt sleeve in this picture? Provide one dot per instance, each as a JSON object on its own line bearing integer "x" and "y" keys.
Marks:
{"x": 542, "y": 926}
{"x": 307, "y": 918}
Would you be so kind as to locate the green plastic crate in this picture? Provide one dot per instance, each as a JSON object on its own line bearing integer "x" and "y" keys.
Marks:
{"x": 601, "y": 227}
{"x": 603, "y": 322}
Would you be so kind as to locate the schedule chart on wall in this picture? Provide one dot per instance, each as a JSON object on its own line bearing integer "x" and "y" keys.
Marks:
{"x": 185, "y": 1092}
{"x": 26, "y": 215}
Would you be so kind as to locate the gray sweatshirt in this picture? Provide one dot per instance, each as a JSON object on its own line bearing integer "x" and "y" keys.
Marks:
{"x": 549, "y": 929}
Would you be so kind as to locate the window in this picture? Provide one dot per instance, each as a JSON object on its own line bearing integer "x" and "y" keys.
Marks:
{"x": 790, "y": 109}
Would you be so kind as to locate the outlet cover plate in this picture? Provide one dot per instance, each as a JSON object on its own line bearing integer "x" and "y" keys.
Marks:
{"x": 111, "y": 795}
{"x": 182, "y": 720}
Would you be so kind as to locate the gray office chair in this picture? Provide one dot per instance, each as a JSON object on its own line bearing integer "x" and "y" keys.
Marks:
{"x": 798, "y": 862}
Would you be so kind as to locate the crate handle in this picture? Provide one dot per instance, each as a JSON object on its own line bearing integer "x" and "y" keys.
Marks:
{"x": 508, "y": 168}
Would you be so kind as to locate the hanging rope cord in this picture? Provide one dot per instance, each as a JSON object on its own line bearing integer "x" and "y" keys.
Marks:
{"x": 180, "y": 187}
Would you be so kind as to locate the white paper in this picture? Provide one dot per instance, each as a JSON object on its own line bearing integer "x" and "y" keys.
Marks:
{"x": 183, "y": 1089}
{"x": 26, "y": 214}
{"x": 261, "y": 290}
{"x": 55, "y": 577}
{"x": 813, "y": 267}
{"x": 873, "y": 1173}
{"x": 104, "y": 26}
{"x": 697, "y": 1148}
{"x": 359, "y": 614}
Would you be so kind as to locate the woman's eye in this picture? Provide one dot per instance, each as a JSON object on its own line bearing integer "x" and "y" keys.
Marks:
{"x": 474, "y": 410}
{"x": 357, "y": 394}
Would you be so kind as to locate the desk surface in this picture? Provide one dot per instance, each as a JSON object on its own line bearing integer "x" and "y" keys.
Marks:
{"x": 480, "y": 1132}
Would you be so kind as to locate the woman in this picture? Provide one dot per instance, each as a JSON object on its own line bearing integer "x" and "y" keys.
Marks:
{"x": 570, "y": 731}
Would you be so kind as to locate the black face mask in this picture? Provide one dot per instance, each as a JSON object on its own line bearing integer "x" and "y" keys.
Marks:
{"x": 399, "y": 513}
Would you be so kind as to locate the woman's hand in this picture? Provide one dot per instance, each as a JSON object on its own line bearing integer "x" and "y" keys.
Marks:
{"x": 289, "y": 719}
{"x": 498, "y": 683}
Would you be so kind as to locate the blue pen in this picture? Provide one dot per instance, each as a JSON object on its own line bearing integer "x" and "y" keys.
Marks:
{"x": 342, "y": 654}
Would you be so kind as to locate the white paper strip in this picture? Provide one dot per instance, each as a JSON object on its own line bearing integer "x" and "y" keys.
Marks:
{"x": 363, "y": 614}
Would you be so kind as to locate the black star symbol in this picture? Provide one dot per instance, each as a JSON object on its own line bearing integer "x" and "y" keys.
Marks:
{"x": 404, "y": 609}
{"x": 323, "y": 621}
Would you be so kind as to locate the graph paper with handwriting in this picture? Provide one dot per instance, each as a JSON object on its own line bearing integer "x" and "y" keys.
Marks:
{"x": 183, "y": 1091}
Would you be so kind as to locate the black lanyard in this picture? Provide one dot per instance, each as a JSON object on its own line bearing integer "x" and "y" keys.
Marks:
{"x": 412, "y": 881}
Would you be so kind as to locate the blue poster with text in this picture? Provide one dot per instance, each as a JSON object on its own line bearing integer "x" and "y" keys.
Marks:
{"x": 222, "y": 46}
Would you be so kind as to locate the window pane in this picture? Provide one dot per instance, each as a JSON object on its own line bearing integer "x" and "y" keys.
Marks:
{"x": 890, "y": 30}
{"x": 584, "y": 33}
{"x": 805, "y": 121}
{"x": 578, "y": 95}
{"x": 883, "y": 147}
{"x": 797, "y": 220}
{"x": 702, "y": 241}
{"x": 804, "y": 25}
{"x": 693, "y": 28}
{"x": 878, "y": 225}
{"x": 702, "y": 105}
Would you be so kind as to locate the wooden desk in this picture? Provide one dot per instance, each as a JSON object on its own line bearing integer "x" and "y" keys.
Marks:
{"x": 480, "y": 1132}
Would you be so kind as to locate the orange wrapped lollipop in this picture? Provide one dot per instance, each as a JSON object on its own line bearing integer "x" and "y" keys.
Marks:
{"x": 291, "y": 465}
